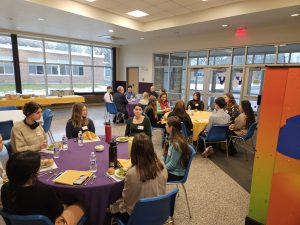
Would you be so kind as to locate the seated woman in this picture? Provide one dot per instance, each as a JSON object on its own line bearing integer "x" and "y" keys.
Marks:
{"x": 29, "y": 134}
{"x": 162, "y": 105}
{"x": 151, "y": 112}
{"x": 242, "y": 122}
{"x": 139, "y": 123}
{"x": 231, "y": 107}
{"x": 147, "y": 177}
{"x": 180, "y": 112}
{"x": 145, "y": 100}
{"x": 176, "y": 154}
{"x": 196, "y": 102}
{"x": 79, "y": 121}
{"x": 23, "y": 196}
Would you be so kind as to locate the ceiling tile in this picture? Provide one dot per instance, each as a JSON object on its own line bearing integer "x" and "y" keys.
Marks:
{"x": 169, "y": 5}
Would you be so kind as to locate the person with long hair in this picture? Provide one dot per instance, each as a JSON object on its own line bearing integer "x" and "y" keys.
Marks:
{"x": 23, "y": 196}
{"x": 151, "y": 112}
{"x": 179, "y": 111}
{"x": 138, "y": 123}
{"x": 244, "y": 120}
{"x": 28, "y": 134}
{"x": 241, "y": 123}
{"x": 176, "y": 151}
{"x": 79, "y": 121}
{"x": 162, "y": 104}
{"x": 147, "y": 177}
{"x": 231, "y": 107}
{"x": 196, "y": 102}
{"x": 145, "y": 99}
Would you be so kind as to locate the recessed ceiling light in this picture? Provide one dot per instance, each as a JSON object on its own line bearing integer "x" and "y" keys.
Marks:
{"x": 90, "y": 0}
{"x": 111, "y": 31}
{"x": 295, "y": 14}
{"x": 137, "y": 13}
{"x": 41, "y": 19}
{"x": 142, "y": 38}
{"x": 224, "y": 25}
{"x": 204, "y": 0}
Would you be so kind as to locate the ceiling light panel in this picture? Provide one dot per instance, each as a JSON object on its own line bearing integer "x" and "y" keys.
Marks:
{"x": 137, "y": 13}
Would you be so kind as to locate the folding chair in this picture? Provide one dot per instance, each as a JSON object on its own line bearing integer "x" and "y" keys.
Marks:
{"x": 216, "y": 134}
{"x": 184, "y": 179}
{"x": 244, "y": 138}
{"x": 151, "y": 211}
{"x": 12, "y": 219}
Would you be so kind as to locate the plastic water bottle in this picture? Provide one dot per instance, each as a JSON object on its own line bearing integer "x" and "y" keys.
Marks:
{"x": 189, "y": 108}
{"x": 93, "y": 162}
{"x": 65, "y": 143}
{"x": 80, "y": 138}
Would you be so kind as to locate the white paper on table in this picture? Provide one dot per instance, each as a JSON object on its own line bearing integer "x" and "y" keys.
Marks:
{"x": 47, "y": 151}
{"x": 114, "y": 177}
{"x": 202, "y": 121}
{"x": 93, "y": 140}
{"x": 53, "y": 167}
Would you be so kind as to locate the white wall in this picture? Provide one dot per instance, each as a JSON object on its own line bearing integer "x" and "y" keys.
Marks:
{"x": 141, "y": 55}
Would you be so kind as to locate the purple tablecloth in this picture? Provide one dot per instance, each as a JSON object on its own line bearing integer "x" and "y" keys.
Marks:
{"x": 96, "y": 197}
{"x": 130, "y": 107}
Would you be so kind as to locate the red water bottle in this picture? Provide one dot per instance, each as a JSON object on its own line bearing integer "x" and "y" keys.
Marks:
{"x": 107, "y": 132}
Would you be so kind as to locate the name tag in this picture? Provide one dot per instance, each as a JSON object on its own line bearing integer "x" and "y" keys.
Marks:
{"x": 38, "y": 133}
{"x": 140, "y": 127}
{"x": 197, "y": 104}
{"x": 85, "y": 128}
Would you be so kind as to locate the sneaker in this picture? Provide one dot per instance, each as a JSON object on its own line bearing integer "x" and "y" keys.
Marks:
{"x": 207, "y": 150}
{"x": 210, "y": 152}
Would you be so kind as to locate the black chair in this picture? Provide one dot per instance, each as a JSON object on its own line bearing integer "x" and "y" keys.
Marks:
{"x": 5, "y": 129}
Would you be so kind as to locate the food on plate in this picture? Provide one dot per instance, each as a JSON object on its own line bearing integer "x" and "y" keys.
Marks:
{"x": 46, "y": 162}
{"x": 88, "y": 135}
{"x": 99, "y": 148}
{"x": 50, "y": 147}
{"x": 111, "y": 171}
{"x": 122, "y": 139}
{"x": 121, "y": 173}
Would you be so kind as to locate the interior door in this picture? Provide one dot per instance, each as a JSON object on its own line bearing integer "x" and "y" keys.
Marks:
{"x": 253, "y": 85}
{"x": 216, "y": 84}
{"x": 133, "y": 78}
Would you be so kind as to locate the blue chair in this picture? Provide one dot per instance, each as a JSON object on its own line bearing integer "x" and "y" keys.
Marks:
{"x": 11, "y": 219}
{"x": 47, "y": 121}
{"x": 111, "y": 108}
{"x": 216, "y": 134}
{"x": 186, "y": 133}
{"x": 8, "y": 147}
{"x": 151, "y": 211}
{"x": 5, "y": 129}
{"x": 184, "y": 179}
{"x": 247, "y": 136}
{"x": 4, "y": 108}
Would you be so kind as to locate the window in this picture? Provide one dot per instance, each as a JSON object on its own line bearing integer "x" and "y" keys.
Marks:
{"x": 289, "y": 53}
{"x": 102, "y": 56}
{"x": 36, "y": 69}
{"x": 239, "y": 56}
{"x": 178, "y": 59}
{"x": 220, "y": 56}
{"x": 261, "y": 55}
{"x": 77, "y": 70}
{"x": 198, "y": 58}
{"x": 7, "y": 78}
{"x": 161, "y": 60}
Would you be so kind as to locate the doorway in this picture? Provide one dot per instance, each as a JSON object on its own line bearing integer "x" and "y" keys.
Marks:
{"x": 132, "y": 77}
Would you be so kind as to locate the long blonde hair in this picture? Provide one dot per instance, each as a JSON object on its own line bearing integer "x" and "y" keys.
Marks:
{"x": 76, "y": 118}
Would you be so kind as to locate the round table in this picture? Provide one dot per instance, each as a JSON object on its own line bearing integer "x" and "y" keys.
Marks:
{"x": 95, "y": 197}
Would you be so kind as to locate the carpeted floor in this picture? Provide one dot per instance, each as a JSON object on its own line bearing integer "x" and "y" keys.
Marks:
{"x": 216, "y": 191}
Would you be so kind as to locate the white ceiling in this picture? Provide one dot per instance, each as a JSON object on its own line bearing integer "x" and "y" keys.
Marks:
{"x": 168, "y": 18}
